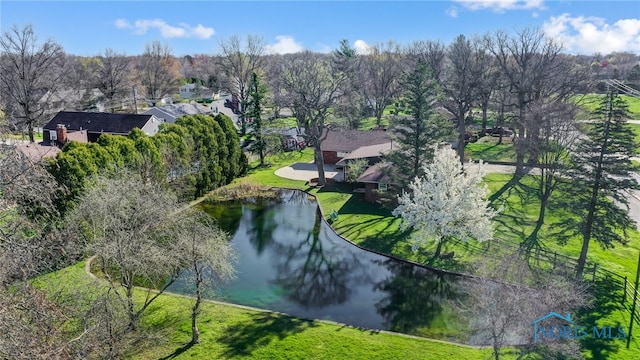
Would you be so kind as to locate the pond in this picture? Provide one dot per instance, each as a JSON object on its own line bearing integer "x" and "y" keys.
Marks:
{"x": 291, "y": 261}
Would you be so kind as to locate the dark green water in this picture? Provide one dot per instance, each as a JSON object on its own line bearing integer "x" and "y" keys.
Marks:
{"x": 292, "y": 262}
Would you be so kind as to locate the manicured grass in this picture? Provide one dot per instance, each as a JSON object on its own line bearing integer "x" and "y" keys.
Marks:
{"x": 230, "y": 332}
{"x": 590, "y": 101}
{"x": 488, "y": 149}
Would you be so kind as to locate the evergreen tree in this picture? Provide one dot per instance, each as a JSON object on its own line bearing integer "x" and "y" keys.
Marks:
{"x": 238, "y": 162}
{"x": 257, "y": 93}
{"x": 602, "y": 177}
{"x": 416, "y": 135}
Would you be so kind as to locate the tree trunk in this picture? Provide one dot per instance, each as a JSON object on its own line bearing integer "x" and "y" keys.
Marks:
{"x": 30, "y": 130}
{"x": 195, "y": 333}
{"x": 438, "y": 249}
{"x": 484, "y": 116}
{"x": 461, "y": 131}
{"x": 133, "y": 317}
{"x": 319, "y": 163}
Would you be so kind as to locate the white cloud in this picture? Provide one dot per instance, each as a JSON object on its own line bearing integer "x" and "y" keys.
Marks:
{"x": 452, "y": 11}
{"x": 285, "y": 44}
{"x": 122, "y": 24}
{"x": 167, "y": 31}
{"x": 501, "y": 5}
{"x": 362, "y": 48}
{"x": 588, "y": 35}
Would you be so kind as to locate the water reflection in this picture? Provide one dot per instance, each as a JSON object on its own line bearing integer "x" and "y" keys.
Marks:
{"x": 291, "y": 261}
{"x": 414, "y": 296}
{"x": 315, "y": 275}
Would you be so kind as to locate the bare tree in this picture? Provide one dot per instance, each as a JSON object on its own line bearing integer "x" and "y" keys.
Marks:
{"x": 239, "y": 60}
{"x": 277, "y": 95}
{"x": 157, "y": 71}
{"x": 315, "y": 87}
{"x": 506, "y": 292}
{"x": 529, "y": 62}
{"x": 486, "y": 75}
{"x": 128, "y": 232}
{"x": 381, "y": 71}
{"x": 112, "y": 75}
{"x": 29, "y": 71}
{"x": 558, "y": 135}
{"x": 207, "y": 253}
{"x": 459, "y": 85}
{"x": 432, "y": 53}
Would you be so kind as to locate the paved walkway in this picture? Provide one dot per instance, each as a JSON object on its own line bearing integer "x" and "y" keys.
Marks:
{"x": 308, "y": 171}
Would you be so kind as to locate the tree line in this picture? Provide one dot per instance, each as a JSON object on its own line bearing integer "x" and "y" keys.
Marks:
{"x": 193, "y": 156}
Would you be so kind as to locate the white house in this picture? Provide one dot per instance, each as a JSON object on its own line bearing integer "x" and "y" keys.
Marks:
{"x": 191, "y": 91}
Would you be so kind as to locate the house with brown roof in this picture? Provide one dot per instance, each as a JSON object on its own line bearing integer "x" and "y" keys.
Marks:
{"x": 339, "y": 143}
{"x": 87, "y": 126}
{"x": 376, "y": 179}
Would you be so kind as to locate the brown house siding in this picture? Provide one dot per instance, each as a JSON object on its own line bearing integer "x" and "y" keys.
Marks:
{"x": 369, "y": 194}
{"x": 330, "y": 157}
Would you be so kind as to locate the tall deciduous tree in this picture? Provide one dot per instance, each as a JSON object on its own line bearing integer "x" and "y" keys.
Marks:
{"x": 157, "y": 71}
{"x": 30, "y": 72}
{"x": 239, "y": 60}
{"x": 459, "y": 85}
{"x": 415, "y": 135}
{"x": 381, "y": 70}
{"x": 558, "y": 135}
{"x": 310, "y": 79}
{"x": 533, "y": 68}
{"x": 112, "y": 74}
{"x": 602, "y": 176}
{"x": 446, "y": 203}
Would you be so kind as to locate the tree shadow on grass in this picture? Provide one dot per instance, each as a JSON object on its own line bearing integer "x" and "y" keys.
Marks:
{"x": 606, "y": 299}
{"x": 242, "y": 339}
{"x": 515, "y": 180}
{"x": 178, "y": 351}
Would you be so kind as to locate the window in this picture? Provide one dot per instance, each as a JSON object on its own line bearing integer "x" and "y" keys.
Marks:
{"x": 342, "y": 154}
{"x": 382, "y": 187}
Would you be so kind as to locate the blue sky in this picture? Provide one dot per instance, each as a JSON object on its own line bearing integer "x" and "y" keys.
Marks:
{"x": 195, "y": 27}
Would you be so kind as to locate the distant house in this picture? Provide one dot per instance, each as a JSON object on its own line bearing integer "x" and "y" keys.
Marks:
{"x": 87, "y": 127}
{"x": 169, "y": 113}
{"x": 372, "y": 153}
{"x": 195, "y": 91}
{"x": 74, "y": 100}
{"x": 340, "y": 143}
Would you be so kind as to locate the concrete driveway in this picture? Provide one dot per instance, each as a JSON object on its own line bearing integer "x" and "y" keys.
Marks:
{"x": 308, "y": 171}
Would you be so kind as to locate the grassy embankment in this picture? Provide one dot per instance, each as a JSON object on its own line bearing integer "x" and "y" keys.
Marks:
{"x": 232, "y": 332}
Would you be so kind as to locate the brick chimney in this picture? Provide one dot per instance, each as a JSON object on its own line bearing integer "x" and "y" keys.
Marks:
{"x": 61, "y": 133}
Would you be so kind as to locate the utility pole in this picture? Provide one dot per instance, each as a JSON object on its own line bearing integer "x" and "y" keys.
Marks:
{"x": 135, "y": 99}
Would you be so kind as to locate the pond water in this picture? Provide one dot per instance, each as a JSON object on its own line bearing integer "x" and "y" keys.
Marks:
{"x": 291, "y": 261}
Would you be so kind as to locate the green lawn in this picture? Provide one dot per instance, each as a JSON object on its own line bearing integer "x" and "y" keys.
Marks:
{"x": 590, "y": 101}
{"x": 488, "y": 149}
{"x": 230, "y": 332}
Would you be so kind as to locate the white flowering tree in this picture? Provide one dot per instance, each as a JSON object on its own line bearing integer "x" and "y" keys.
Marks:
{"x": 447, "y": 202}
